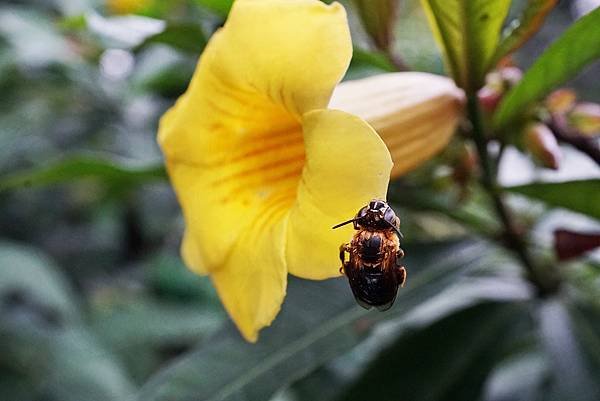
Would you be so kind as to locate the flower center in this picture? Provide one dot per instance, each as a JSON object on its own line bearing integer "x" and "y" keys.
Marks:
{"x": 262, "y": 167}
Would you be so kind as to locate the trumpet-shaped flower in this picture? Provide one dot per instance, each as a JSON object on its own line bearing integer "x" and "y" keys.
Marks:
{"x": 263, "y": 168}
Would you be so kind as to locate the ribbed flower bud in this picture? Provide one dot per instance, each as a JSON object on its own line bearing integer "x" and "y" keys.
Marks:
{"x": 585, "y": 118}
{"x": 561, "y": 100}
{"x": 542, "y": 144}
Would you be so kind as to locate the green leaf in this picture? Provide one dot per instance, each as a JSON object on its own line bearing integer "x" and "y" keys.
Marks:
{"x": 575, "y": 49}
{"x": 365, "y": 63}
{"x": 148, "y": 322}
{"x": 375, "y": 59}
{"x": 580, "y": 196}
{"x": 448, "y": 360}
{"x": 81, "y": 369}
{"x": 44, "y": 345}
{"x": 220, "y": 7}
{"x": 110, "y": 171}
{"x": 164, "y": 70}
{"x": 63, "y": 363}
{"x": 573, "y": 378}
{"x": 124, "y": 31}
{"x": 523, "y": 28}
{"x": 187, "y": 37}
{"x": 520, "y": 377}
{"x": 30, "y": 278}
{"x": 34, "y": 38}
{"x": 468, "y": 33}
{"x": 319, "y": 321}
{"x": 378, "y": 18}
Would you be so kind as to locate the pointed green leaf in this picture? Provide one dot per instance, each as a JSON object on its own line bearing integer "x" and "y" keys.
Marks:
{"x": 580, "y": 196}
{"x": 184, "y": 36}
{"x": 319, "y": 321}
{"x": 220, "y": 7}
{"x": 27, "y": 276}
{"x": 468, "y": 33}
{"x": 573, "y": 377}
{"x": 575, "y": 49}
{"x": 448, "y": 360}
{"x": 110, "y": 171}
{"x": 524, "y": 27}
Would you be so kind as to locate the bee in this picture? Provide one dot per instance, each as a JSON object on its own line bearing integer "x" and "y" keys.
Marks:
{"x": 373, "y": 264}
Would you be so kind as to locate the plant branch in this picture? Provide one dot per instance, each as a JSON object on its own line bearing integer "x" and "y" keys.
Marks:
{"x": 512, "y": 236}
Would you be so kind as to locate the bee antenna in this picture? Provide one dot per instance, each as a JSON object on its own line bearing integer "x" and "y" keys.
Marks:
{"x": 395, "y": 229}
{"x": 344, "y": 223}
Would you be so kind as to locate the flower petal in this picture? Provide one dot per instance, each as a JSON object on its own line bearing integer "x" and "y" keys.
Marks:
{"x": 347, "y": 164}
{"x": 191, "y": 254}
{"x": 233, "y": 142}
{"x": 252, "y": 282}
{"x": 219, "y": 203}
{"x": 272, "y": 62}
{"x": 414, "y": 113}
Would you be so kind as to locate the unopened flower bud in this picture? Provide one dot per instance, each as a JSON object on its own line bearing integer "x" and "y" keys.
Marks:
{"x": 542, "y": 144}
{"x": 489, "y": 97}
{"x": 496, "y": 84}
{"x": 511, "y": 75}
{"x": 571, "y": 244}
{"x": 585, "y": 117}
{"x": 561, "y": 100}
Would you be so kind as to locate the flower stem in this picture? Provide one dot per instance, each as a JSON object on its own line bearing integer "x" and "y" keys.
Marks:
{"x": 545, "y": 283}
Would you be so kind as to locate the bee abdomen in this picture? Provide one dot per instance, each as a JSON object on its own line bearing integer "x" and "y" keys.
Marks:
{"x": 373, "y": 288}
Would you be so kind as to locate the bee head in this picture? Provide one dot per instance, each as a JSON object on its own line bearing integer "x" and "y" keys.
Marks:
{"x": 377, "y": 215}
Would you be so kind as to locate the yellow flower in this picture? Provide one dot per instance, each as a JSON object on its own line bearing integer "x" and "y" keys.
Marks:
{"x": 263, "y": 169}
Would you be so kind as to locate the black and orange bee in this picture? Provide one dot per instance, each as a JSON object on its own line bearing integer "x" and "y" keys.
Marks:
{"x": 373, "y": 267}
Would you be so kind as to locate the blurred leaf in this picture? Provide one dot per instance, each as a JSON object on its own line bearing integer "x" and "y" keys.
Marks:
{"x": 187, "y": 37}
{"x": 112, "y": 172}
{"x": 523, "y": 28}
{"x": 581, "y": 196}
{"x": 471, "y": 212}
{"x": 319, "y": 320}
{"x": 576, "y": 48}
{"x": 468, "y": 33}
{"x": 80, "y": 369}
{"x": 378, "y": 19}
{"x": 164, "y": 70}
{"x": 28, "y": 279}
{"x": 171, "y": 279}
{"x": 149, "y": 322}
{"x": 34, "y": 38}
{"x": 573, "y": 377}
{"x": 520, "y": 378}
{"x": 43, "y": 344}
{"x": 64, "y": 364}
{"x": 375, "y": 59}
{"x": 123, "y": 31}
{"x": 586, "y": 323}
{"x": 448, "y": 360}
{"x": 221, "y": 7}
{"x": 365, "y": 63}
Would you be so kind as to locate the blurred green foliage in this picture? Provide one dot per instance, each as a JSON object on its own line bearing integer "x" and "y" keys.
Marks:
{"x": 96, "y": 304}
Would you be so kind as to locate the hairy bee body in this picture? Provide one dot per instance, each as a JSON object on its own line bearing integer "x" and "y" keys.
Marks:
{"x": 373, "y": 264}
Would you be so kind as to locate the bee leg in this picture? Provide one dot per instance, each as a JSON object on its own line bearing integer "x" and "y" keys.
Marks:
{"x": 343, "y": 249}
{"x": 399, "y": 255}
{"x": 400, "y": 270}
{"x": 401, "y": 274}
